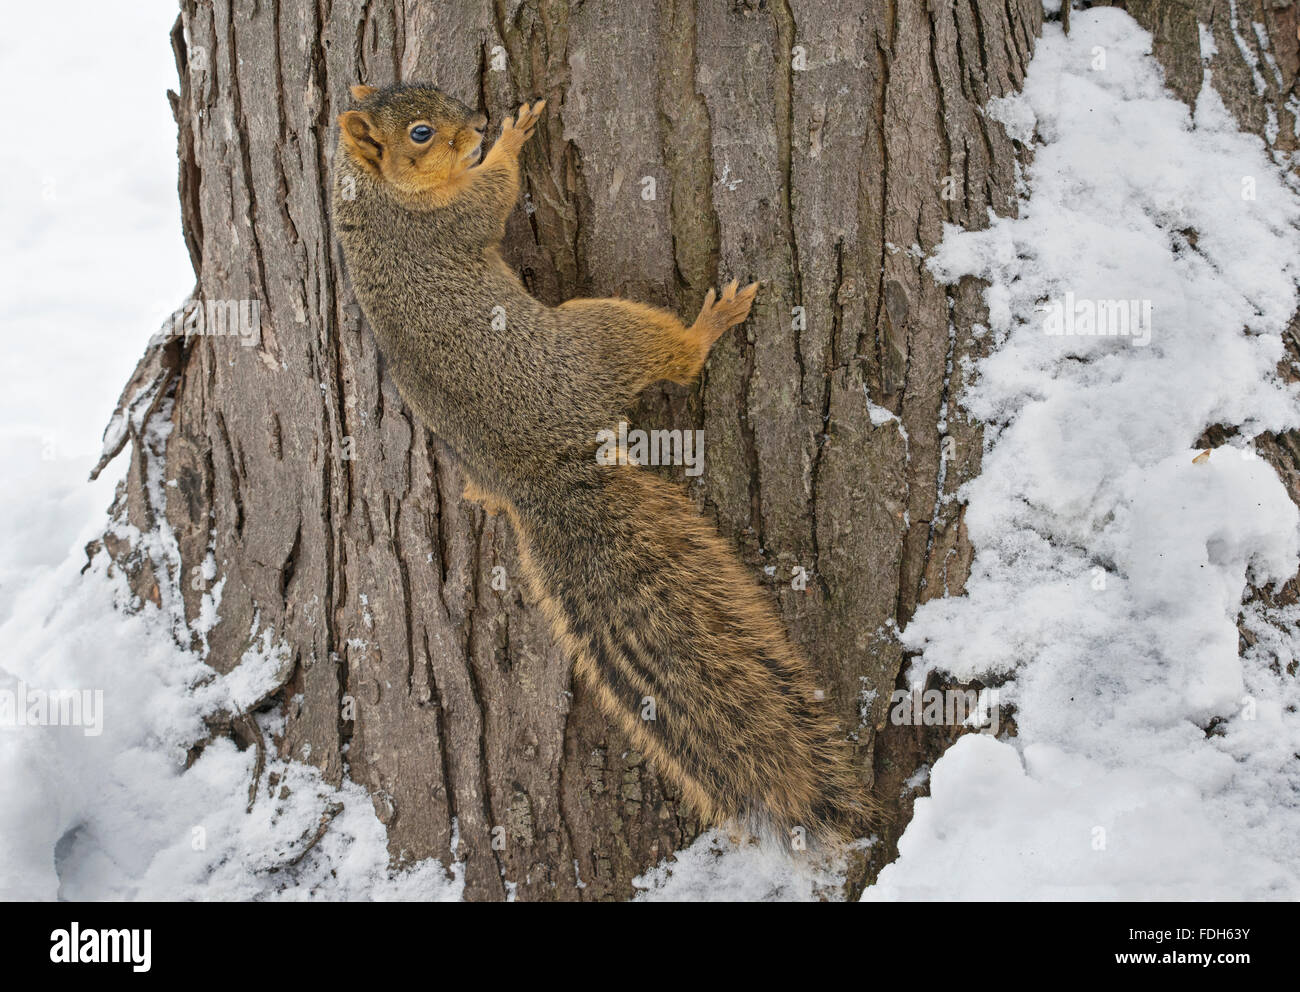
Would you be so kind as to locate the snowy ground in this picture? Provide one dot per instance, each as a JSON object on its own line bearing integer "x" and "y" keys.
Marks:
{"x": 1109, "y": 572}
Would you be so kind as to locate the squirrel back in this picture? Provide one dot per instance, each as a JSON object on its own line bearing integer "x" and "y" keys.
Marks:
{"x": 679, "y": 645}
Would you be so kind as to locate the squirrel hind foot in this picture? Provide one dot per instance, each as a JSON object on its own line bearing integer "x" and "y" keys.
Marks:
{"x": 720, "y": 313}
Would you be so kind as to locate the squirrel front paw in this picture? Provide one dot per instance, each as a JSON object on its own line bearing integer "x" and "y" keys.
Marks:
{"x": 518, "y": 129}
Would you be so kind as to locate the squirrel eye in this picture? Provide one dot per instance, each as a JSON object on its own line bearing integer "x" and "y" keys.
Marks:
{"x": 421, "y": 133}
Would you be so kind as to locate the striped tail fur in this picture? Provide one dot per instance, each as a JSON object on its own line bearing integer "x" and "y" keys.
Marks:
{"x": 683, "y": 651}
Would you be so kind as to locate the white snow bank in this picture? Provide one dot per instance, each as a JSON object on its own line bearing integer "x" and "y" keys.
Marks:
{"x": 1153, "y": 760}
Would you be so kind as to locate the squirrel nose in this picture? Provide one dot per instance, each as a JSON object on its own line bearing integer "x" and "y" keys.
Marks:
{"x": 478, "y": 122}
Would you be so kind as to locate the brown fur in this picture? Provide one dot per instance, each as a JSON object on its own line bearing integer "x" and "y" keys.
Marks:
{"x": 649, "y": 601}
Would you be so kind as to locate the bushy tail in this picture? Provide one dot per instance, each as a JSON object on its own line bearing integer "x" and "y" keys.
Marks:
{"x": 682, "y": 650}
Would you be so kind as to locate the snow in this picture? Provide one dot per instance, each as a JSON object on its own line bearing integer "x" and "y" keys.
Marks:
{"x": 1152, "y": 761}
{"x": 118, "y": 816}
{"x": 722, "y": 868}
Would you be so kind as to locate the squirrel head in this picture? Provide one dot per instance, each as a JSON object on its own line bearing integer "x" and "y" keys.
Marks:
{"x": 414, "y": 137}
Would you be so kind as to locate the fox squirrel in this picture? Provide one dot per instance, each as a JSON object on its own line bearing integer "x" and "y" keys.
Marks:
{"x": 639, "y": 590}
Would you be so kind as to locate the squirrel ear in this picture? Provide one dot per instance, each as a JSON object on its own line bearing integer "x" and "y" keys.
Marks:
{"x": 359, "y": 93}
{"x": 361, "y": 137}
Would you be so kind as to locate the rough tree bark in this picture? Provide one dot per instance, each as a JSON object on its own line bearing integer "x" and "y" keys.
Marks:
{"x": 818, "y": 145}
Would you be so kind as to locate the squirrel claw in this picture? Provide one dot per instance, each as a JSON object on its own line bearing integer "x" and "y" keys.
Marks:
{"x": 519, "y": 128}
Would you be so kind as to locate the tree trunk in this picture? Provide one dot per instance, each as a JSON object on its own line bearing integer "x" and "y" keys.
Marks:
{"x": 818, "y": 145}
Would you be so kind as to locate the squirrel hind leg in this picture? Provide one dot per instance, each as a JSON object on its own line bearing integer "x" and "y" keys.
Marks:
{"x": 651, "y": 344}
{"x": 654, "y": 343}
{"x": 717, "y": 315}
{"x": 685, "y": 349}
